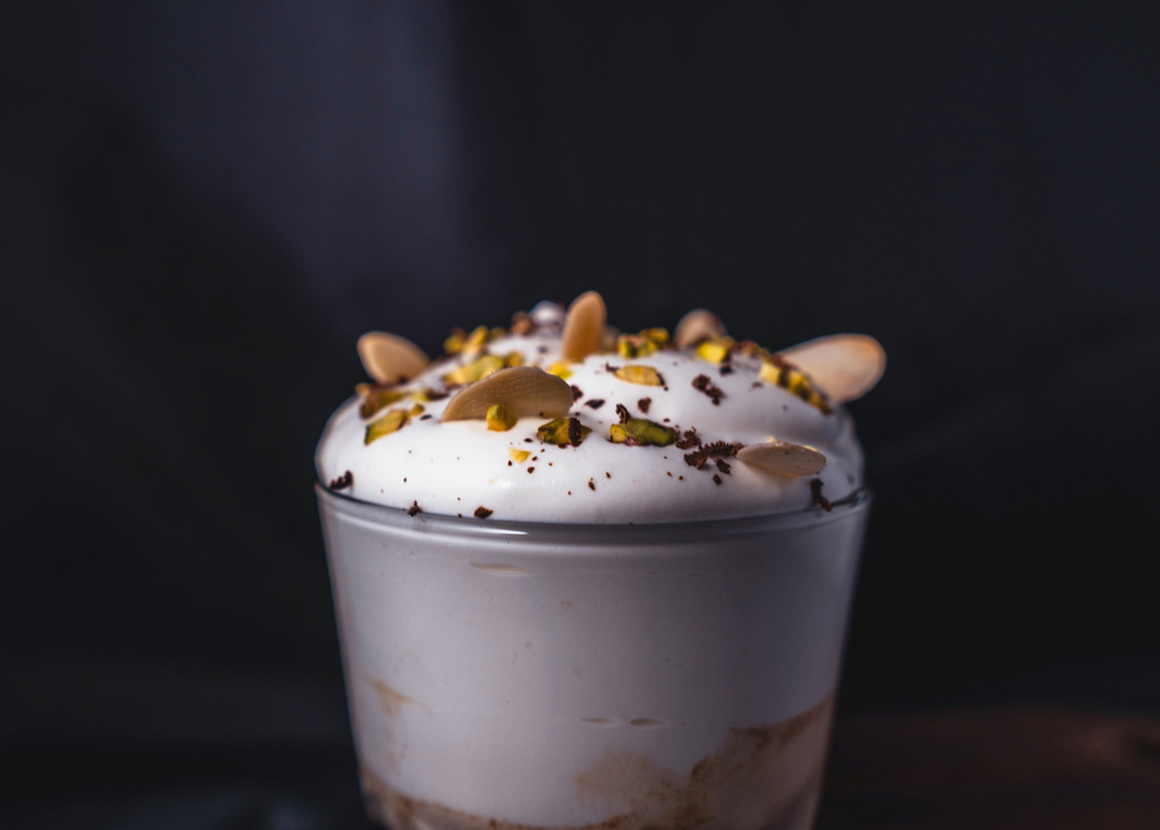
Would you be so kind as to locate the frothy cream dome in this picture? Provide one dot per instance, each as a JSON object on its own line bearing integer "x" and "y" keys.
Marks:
{"x": 559, "y": 418}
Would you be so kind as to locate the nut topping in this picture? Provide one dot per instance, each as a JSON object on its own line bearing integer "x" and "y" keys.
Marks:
{"x": 390, "y": 359}
{"x": 783, "y": 458}
{"x": 523, "y": 390}
{"x": 699, "y": 324}
{"x": 846, "y": 366}
{"x": 584, "y": 326}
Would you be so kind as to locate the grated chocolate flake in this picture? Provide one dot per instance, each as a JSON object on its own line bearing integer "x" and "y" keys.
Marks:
{"x": 723, "y": 466}
{"x": 643, "y": 404}
{"x": 818, "y": 499}
{"x": 591, "y": 484}
{"x": 577, "y": 393}
{"x": 718, "y": 449}
{"x": 482, "y": 512}
{"x": 342, "y": 482}
{"x": 414, "y": 509}
{"x": 689, "y": 440}
{"x": 716, "y": 479}
{"x": 703, "y": 383}
{"x": 594, "y": 403}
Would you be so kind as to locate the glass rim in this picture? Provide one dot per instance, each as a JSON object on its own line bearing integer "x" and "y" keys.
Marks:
{"x": 471, "y": 526}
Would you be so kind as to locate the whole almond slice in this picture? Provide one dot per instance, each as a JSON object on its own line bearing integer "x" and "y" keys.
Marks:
{"x": 390, "y": 359}
{"x": 845, "y": 366}
{"x": 699, "y": 324}
{"x": 783, "y": 458}
{"x": 522, "y": 390}
{"x": 584, "y": 326}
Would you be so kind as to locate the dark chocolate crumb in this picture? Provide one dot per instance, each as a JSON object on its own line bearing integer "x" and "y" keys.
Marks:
{"x": 482, "y": 512}
{"x": 689, "y": 440}
{"x": 670, "y": 475}
{"x": 756, "y": 384}
{"x": 723, "y": 466}
{"x": 343, "y": 481}
{"x": 531, "y": 469}
{"x": 414, "y": 510}
{"x": 680, "y": 478}
{"x": 820, "y": 500}
{"x": 594, "y": 403}
{"x": 608, "y": 475}
{"x": 608, "y": 367}
{"x": 434, "y": 395}
{"x": 703, "y": 383}
{"x": 725, "y": 369}
{"x": 527, "y": 440}
{"x": 643, "y": 404}
{"x": 591, "y": 484}
{"x": 575, "y": 435}
{"x": 426, "y": 417}
{"x": 577, "y": 393}
{"x": 718, "y": 449}
{"x": 509, "y": 463}
{"x": 716, "y": 478}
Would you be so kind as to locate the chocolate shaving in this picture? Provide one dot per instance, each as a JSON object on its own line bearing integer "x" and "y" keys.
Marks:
{"x": 594, "y": 403}
{"x": 591, "y": 484}
{"x": 342, "y": 482}
{"x": 716, "y": 478}
{"x": 575, "y": 433}
{"x": 689, "y": 440}
{"x": 643, "y": 404}
{"x": 577, "y": 393}
{"x": 622, "y": 413}
{"x": 723, "y": 466}
{"x": 818, "y": 499}
{"x": 704, "y": 383}
{"x": 414, "y": 509}
{"x": 725, "y": 369}
{"x": 482, "y": 512}
{"x": 718, "y": 449}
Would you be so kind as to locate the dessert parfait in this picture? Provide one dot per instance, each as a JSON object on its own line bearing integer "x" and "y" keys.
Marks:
{"x": 586, "y": 578}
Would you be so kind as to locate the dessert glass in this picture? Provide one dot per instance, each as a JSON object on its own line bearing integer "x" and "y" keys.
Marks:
{"x": 531, "y": 675}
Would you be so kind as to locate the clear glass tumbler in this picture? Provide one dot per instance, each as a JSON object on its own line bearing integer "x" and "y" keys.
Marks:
{"x": 525, "y": 675}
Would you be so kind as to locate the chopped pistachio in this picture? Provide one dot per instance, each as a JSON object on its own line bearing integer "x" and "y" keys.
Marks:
{"x": 714, "y": 350}
{"x": 638, "y": 373}
{"x": 518, "y": 456}
{"x": 647, "y": 342}
{"x": 560, "y": 370}
{"x": 477, "y": 369}
{"x": 563, "y": 431}
{"x": 478, "y": 337}
{"x": 639, "y": 432}
{"x": 783, "y": 374}
{"x": 393, "y": 421}
{"x": 454, "y": 342}
{"x": 500, "y": 418}
{"x": 375, "y": 398}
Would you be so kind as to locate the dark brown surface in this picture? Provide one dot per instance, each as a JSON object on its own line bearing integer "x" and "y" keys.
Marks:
{"x": 1027, "y": 769}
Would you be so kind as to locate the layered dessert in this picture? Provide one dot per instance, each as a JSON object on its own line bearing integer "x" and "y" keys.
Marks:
{"x": 587, "y": 578}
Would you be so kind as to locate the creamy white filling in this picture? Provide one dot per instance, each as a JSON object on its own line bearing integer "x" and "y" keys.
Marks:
{"x": 457, "y": 467}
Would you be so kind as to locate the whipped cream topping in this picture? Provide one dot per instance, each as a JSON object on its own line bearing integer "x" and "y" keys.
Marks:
{"x": 464, "y": 468}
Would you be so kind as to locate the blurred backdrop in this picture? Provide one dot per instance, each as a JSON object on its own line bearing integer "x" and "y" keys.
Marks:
{"x": 204, "y": 204}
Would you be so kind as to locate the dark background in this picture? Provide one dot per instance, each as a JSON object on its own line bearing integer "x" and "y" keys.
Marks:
{"x": 205, "y": 203}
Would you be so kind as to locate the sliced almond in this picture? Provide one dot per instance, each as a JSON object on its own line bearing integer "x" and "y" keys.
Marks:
{"x": 584, "y": 326}
{"x": 699, "y": 324}
{"x": 523, "y": 390}
{"x": 845, "y": 366}
{"x": 783, "y": 457}
{"x": 389, "y": 358}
